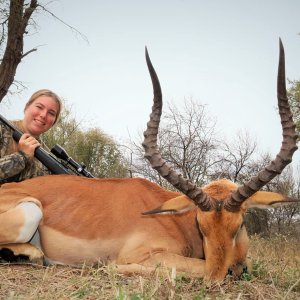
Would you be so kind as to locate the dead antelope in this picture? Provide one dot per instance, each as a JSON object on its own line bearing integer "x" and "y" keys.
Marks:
{"x": 135, "y": 223}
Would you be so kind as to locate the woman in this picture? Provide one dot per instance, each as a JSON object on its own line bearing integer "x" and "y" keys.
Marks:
{"x": 17, "y": 161}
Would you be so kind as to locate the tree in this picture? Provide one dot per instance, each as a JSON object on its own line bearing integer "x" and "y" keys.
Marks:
{"x": 282, "y": 218}
{"x": 97, "y": 151}
{"x": 187, "y": 141}
{"x": 294, "y": 97}
{"x": 235, "y": 159}
{"x": 14, "y": 21}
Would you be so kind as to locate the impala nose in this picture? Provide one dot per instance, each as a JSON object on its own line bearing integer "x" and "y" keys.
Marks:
{"x": 238, "y": 270}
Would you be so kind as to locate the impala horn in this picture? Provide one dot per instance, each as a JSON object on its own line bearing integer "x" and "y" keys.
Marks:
{"x": 196, "y": 194}
{"x": 288, "y": 147}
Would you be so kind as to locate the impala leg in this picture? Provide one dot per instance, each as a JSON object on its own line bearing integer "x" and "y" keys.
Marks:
{"x": 132, "y": 269}
{"x": 164, "y": 260}
{"x": 17, "y": 226}
{"x": 189, "y": 265}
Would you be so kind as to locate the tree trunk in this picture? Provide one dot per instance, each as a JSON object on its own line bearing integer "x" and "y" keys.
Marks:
{"x": 17, "y": 23}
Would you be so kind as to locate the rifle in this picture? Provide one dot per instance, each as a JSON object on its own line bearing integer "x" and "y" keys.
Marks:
{"x": 61, "y": 153}
{"x": 49, "y": 161}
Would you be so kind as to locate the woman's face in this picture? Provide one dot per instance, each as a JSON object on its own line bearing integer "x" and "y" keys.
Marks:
{"x": 40, "y": 115}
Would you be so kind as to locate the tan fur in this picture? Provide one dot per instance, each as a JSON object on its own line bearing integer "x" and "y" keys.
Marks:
{"x": 264, "y": 199}
{"x": 11, "y": 224}
{"x": 223, "y": 245}
{"x": 92, "y": 220}
{"x": 220, "y": 189}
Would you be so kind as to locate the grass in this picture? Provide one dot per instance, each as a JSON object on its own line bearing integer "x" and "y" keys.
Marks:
{"x": 275, "y": 275}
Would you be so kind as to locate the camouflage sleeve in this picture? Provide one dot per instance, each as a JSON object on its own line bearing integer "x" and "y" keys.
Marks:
{"x": 17, "y": 166}
{"x": 12, "y": 164}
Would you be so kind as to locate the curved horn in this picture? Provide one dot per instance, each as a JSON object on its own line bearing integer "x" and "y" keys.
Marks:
{"x": 200, "y": 198}
{"x": 284, "y": 157}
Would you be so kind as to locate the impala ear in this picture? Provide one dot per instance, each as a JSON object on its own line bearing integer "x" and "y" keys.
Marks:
{"x": 267, "y": 200}
{"x": 178, "y": 205}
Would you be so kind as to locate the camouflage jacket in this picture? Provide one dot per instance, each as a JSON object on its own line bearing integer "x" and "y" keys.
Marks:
{"x": 16, "y": 165}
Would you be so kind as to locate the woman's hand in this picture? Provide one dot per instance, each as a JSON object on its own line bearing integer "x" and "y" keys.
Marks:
{"x": 28, "y": 144}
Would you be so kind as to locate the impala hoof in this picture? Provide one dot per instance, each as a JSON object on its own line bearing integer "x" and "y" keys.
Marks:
{"x": 21, "y": 253}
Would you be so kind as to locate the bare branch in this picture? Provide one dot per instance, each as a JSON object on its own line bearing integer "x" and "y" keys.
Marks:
{"x": 84, "y": 37}
{"x": 28, "y": 52}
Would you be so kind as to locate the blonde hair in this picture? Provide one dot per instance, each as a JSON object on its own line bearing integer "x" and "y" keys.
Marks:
{"x": 45, "y": 92}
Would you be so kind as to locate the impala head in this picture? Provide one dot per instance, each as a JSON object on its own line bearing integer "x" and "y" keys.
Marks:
{"x": 221, "y": 204}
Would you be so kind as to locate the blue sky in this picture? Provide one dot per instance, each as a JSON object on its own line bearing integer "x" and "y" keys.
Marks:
{"x": 221, "y": 53}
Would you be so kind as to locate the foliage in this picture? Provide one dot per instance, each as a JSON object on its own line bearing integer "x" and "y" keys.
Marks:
{"x": 279, "y": 220}
{"x": 294, "y": 97}
{"x": 96, "y": 150}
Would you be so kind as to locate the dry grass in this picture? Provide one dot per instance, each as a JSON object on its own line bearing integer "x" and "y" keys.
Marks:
{"x": 276, "y": 275}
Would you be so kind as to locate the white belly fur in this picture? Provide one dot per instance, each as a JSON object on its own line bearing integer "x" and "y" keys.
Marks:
{"x": 62, "y": 249}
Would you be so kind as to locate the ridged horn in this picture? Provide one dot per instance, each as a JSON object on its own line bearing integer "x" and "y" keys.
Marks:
{"x": 200, "y": 198}
{"x": 288, "y": 147}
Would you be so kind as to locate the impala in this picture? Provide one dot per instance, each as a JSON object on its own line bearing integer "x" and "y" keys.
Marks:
{"x": 136, "y": 224}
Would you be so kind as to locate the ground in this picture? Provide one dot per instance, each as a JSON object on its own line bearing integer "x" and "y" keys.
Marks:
{"x": 275, "y": 275}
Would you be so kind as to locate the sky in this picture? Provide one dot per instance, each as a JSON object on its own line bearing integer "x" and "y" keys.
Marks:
{"x": 223, "y": 54}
